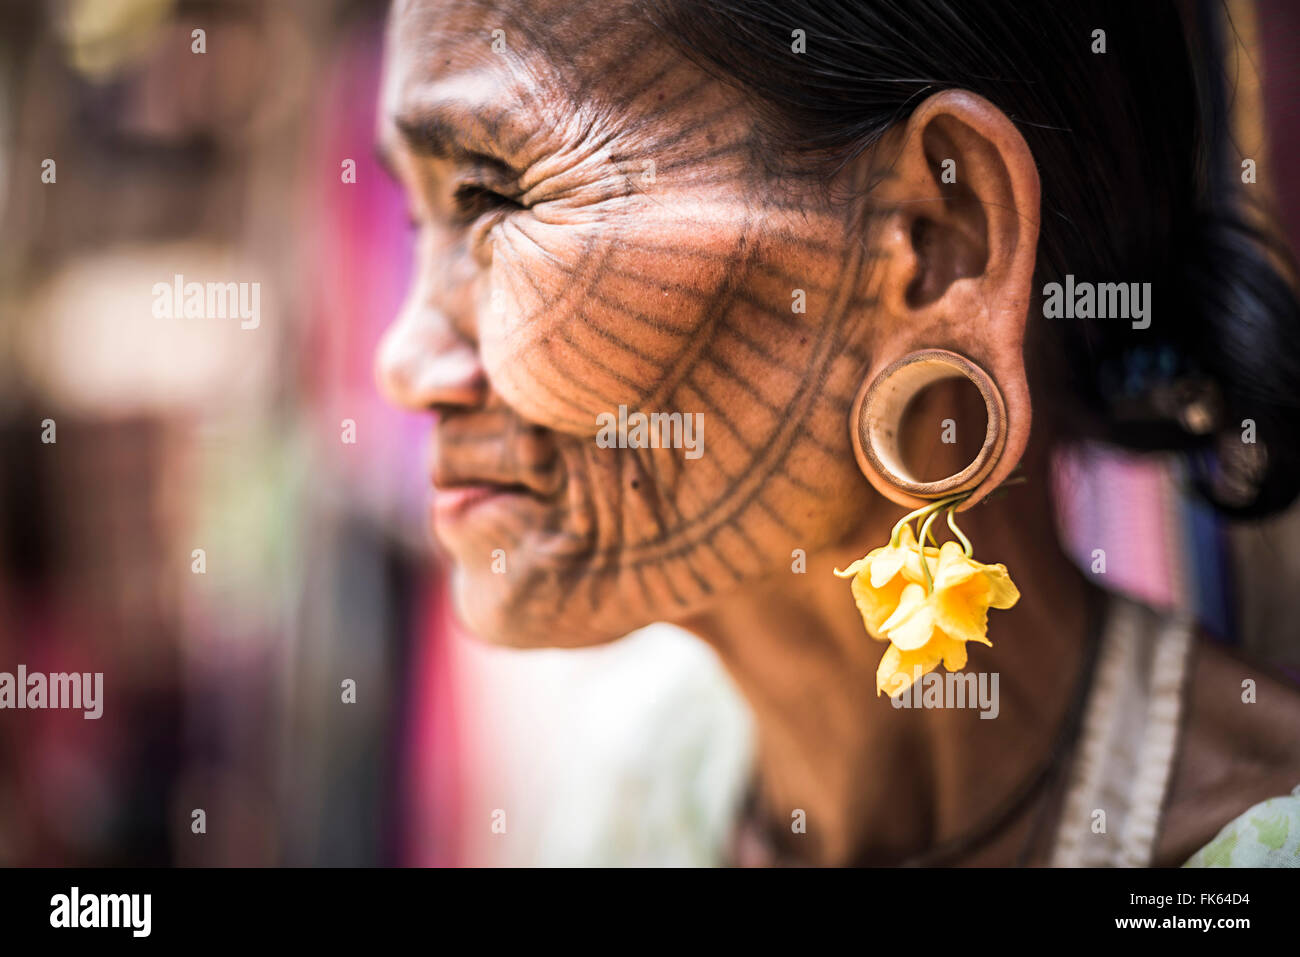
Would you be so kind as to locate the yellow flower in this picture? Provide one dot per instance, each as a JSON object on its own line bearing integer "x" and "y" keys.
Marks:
{"x": 926, "y": 627}
{"x": 926, "y": 602}
{"x": 880, "y": 576}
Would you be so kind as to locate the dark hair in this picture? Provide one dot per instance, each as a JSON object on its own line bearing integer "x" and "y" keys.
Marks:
{"x": 1138, "y": 184}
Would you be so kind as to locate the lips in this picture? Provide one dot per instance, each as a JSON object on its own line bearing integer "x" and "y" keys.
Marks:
{"x": 493, "y": 451}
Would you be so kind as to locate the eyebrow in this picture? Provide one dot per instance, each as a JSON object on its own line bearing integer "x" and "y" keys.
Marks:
{"x": 439, "y": 133}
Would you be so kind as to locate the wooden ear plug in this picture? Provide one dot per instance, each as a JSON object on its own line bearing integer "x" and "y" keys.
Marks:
{"x": 877, "y": 438}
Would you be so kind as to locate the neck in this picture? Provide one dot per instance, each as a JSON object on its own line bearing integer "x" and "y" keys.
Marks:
{"x": 879, "y": 783}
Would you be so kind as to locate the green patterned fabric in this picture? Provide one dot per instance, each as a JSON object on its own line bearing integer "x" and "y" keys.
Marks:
{"x": 1268, "y": 835}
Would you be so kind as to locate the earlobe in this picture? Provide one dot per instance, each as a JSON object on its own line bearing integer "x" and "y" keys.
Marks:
{"x": 958, "y": 223}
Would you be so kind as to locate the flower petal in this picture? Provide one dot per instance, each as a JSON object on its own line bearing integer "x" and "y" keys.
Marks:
{"x": 887, "y": 671}
{"x": 853, "y": 569}
{"x": 899, "y": 669}
{"x": 954, "y": 567}
{"x": 961, "y": 618}
{"x": 912, "y": 623}
{"x": 1003, "y": 592}
{"x": 886, "y": 566}
{"x": 953, "y": 651}
{"x": 876, "y": 604}
{"x": 912, "y": 568}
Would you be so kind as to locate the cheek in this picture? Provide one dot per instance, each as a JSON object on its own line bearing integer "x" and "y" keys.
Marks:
{"x": 680, "y": 309}
{"x": 596, "y": 307}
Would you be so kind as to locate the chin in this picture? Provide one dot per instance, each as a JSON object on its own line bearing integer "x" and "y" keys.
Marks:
{"x": 496, "y": 610}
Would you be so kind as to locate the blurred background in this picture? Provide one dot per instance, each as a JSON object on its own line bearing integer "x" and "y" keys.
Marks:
{"x": 127, "y": 156}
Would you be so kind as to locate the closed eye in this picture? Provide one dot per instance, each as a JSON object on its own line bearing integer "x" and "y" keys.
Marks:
{"x": 473, "y": 200}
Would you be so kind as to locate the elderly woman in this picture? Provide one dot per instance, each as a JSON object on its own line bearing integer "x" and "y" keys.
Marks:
{"x": 879, "y": 255}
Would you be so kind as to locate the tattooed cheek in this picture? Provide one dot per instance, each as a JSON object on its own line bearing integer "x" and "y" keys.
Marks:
{"x": 574, "y": 322}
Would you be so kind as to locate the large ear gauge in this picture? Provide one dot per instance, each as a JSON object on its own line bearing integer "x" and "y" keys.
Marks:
{"x": 877, "y": 426}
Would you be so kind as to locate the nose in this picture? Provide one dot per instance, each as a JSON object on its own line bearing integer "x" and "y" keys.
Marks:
{"x": 423, "y": 362}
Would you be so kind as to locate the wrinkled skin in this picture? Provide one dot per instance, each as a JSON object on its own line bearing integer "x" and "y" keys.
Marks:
{"x": 587, "y": 279}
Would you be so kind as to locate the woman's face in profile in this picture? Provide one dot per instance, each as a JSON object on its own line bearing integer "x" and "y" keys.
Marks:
{"x": 598, "y": 231}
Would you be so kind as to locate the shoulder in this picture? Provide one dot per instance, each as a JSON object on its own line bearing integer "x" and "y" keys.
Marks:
{"x": 1240, "y": 746}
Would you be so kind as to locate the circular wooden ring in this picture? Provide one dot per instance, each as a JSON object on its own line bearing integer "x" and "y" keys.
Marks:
{"x": 878, "y": 438}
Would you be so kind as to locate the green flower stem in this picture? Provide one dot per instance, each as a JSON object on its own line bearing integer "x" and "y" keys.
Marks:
{"x": 952, "y": 523}
{"x": 925, "y": 562}
{"x": 921, "y": 513}
{"x": 926, "y": 514}
{"x": 893, "y": 536}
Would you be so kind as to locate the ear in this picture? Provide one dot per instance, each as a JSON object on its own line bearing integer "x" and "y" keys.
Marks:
{"x": 956, "y": 231}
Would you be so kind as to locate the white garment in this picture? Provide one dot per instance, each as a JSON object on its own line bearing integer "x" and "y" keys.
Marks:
{"x": 634, "y": 753}
{"x": 1129, "y": 738}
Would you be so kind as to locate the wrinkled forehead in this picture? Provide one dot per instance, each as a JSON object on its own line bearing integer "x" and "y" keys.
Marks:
{"x": 515, "y": 51}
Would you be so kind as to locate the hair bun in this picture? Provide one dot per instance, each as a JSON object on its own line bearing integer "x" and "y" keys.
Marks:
{"x": 1247, "y": 337}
